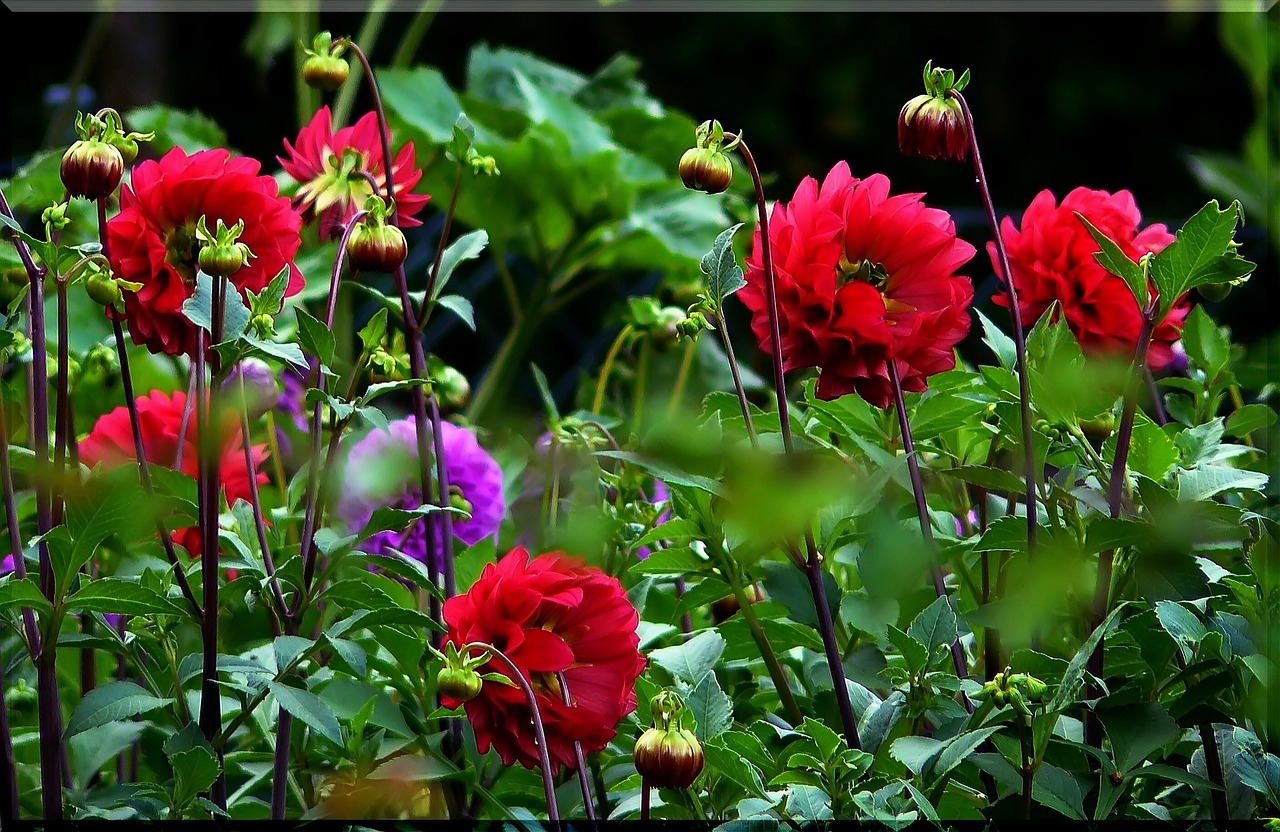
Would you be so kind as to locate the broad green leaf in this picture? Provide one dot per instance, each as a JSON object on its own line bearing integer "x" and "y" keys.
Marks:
{"x": 421, "y": 97}
{"x": 694, "y": 659}
{"x": 710, "y": 707}
{"x": 1206, "y": 344}
{"x": 1118, "y": 263}
{"x": 190, "y": 130}
{"x": 199, "y": 308}
{"x": 935, "y": 625}
{"x": 372, "y": 333}
{"x": 91, "y": 749}
{"x": 1058, "y": 790}
{"x": 992, "y": 479}
{"x": 114, "y": 595}
{"x": 728, "y": 763}
{"x": 1074, "y": 676}
{"x": 915, "y": 654}
{"x": 916, "y": 753}
{"x": 112, "y": 702}
{"x": 671, "y": 562}
{"x": 720, "y": 265}
{"x": 808, "y": 803}
{"x": 1136, "y": 731}
{"x": 461, "y": 307}
{"x": 957, "y": 749}
{"x": 878, "y": 721}
{"x": 1250, "y": 418}
{"x": 1202, "y": 253}
{"x": 288, "y": 649}
{"x": 1181, "y": 623}
{"x": 195, "y": 770}
{"x": 316, "y": 338}
{"x": 467, "y": 247}
{"x": 667, "y": 474}
{"x": 1006, "y": 351}
{"x": 23, "y": 594}
{"x": 1206, "y": 481}
{"x": 309, "y": 708}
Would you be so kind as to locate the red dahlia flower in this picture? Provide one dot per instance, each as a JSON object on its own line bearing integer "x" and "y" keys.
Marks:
{"x": 1052, "y": 259}
{"x": 331, "y": 168}
{"x": 160, "y": 417}
{"x": 153, "y": 238}
{"x": 863, "y": 278}
{"x": 549, "y": 614}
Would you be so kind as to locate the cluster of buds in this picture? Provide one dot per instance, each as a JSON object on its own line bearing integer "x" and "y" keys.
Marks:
{"x": 93, "y": 166}
{"x": 374, "y": 245}
{"x": 1020, "y": 690}
{"x": 706, "y": 166}
{"x": 54, "y": 218}
{"x": 932, "y": 125}
{"x": 698, "y": 318}
{"x": 571, "y": 431}
{"x": 668, "y": 755}
{"x": 220, "y": 255}
{"x": 661, "y": 324}
{"x": 390, "y": 361}
{"x": 325, "y": 68}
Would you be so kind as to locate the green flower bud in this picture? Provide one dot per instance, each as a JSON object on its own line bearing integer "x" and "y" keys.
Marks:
{"x": 324, "y": 69}
{"x": 264, "y": 325}
{"x": 91, "y": 169}
{"x": 55, "y": 216}
{"x": 376, "y": 248}
{"x": 452, "y": 388}
{"x": 669, "y": 758}
{"x": 932, "y": 125}
{"x": 707, "y": 170}
{"x": 103, "y": 288}
{"x": 459, "y": 683}
{"x": 220, "y": 254}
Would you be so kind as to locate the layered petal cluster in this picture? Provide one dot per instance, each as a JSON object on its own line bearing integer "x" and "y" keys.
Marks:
{"x": 1051, "y": 257}
{"x": 863, "y": 278}
{"x": 383, "y": 470}
{"x": 549, "y": 614}
{"x": 333, "y": 169}
{"x": 110, "y": 442}
{"x": 153, "y": 240}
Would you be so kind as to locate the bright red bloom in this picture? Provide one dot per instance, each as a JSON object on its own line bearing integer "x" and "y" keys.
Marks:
{"x": 160, "y": 417}
{"x": 153, "y": 239}
{"x": 862, "y": 278}
{"x": 1052, "y": 259}
{"x": 549, "y": 614}
{"x": 331, "y": 166}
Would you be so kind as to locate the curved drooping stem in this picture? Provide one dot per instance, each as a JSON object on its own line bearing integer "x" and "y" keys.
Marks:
{"x": 813, "y": 561}
{"x": 15, "y": 535}
{"x": 922, "y": 510}
{"x": 1030, "y": 473}
{"x": 588, "y": 802}
{"x": 539, "y": 733}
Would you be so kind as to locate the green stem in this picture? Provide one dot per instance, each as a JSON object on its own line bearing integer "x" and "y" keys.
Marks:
{"x": 642, "y": 382}
{"x": 306, "y": 20}
{"x": 366, "y": 37}
{"x": 602, "y": 383}
{"x": 413, "y": 36}
{"x": 682, "y": 378}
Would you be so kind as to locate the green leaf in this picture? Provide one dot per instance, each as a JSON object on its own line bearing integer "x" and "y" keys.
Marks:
{"x": 1118, "y": 263}
{"x": 712, "y": 710}
{"x": 1136, "y": 731}
{"x": 23, "y": 594}
{"x": 670, "y": 562}
{"x": 467, "y": 247}
{"x": 957, "y": 749}
{"x": 90, "y": 750}
{"x": 373, "y": 332}
{"x": 114, "y": 595}
{"x": 199, "y": 308}
{"x": 112, "y": 702}
{"x": 1151, "y": 452}
{"x": 316, "y": 338}
{"x": 915, "y": 654}
{"x": 692, "y": 660}
{"x": 1206, "y": 344}
{"x": 461, "y": 307}
{"x": 916, "y": 753}
{"x": 1074, "y": 676}
{"x": 1205, "y": 481}
{"x": 195, "y": 771}
{"x": 720, "y": 265}
{"x": 271, "y": 299}
{"x": 1181, "y": 623}
{"x": 808, "y": 803}
{"x": 728, "y": 763}
{"x": 309, "y": 708}
{"x": 422, "y": 98}
{"x": 288, "y": 649}
{"x": 1258, "y": 769}
{"x": 189, "y": 129}
{"x": 1058, "y": 790}
{"x": 544, "y": 390}
{"x": 1203, "y": 253}
{"x": 667, "y": 474}
{"x": 935, "y": 625}
{"x": 1250, "y": 418}
{"x": 992, "y": 479}
{"x": 879, "y": 720}
{"x": 1200, "y": 443}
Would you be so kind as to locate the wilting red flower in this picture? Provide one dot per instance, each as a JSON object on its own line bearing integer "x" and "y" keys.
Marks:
{"x": 331, "y": 168}
{"x": 1052, "y": 259}
{"x": 160, "y": 417}
{"x": 862, "y": 278}
{"x": 153, "y": 238}
{"x": 549, "y": 614}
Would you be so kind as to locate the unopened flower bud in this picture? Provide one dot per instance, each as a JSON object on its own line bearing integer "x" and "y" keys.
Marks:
{"x": 264, "y": 325}
{"x": 458, "y": 500}
{"x": 324, "y": 68}
{"x": 667, "y": 328}
{"x": 1214, "y": 292}
{"x": 459, "y": 683}
{"x": 707, "y": 170}
{"x": 103, "y": 288}
{"x": 55, "y": 216}
{"x": 92, "y": 168}
{"x": 21, "y": 696}
{"x": 932, "y": 125}
{"x": 668, "y": 758}
{"x": 220, "y": 254}
{"x": 375, "y": 246}
{"x": 261, "y": 392}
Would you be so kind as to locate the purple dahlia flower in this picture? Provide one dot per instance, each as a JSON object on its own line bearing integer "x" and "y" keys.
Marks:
{"x": 382, "y": 470}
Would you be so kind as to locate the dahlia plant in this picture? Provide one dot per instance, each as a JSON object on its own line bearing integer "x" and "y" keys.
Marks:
{"x": 815, "y": 538}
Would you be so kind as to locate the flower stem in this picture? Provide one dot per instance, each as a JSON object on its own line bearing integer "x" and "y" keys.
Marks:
{"x": 15, "y": 534}
{"x": 641, "y": 382}
{"x": 813, "y": 561}
{"x": 539, "y": 733}
{"x": 1115, "y": 495}
{"x": 922, "y": 511}
{"x": 369, "y": 31}
{"x": 682, "y": 379}
{"x": 1027, "y": 769}
{"x": 62, "y": 408}
{"x": 722, "y": 326}
{"x": 413, "y": 36}
{"x": 255, "y": 501}
{"x": 606, "y": 369}
{"x": 588, "y": 802}
{"x": 280, "y": 765}
{"x": 644, "y": 800}
{"x": 1030, "y": 473}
